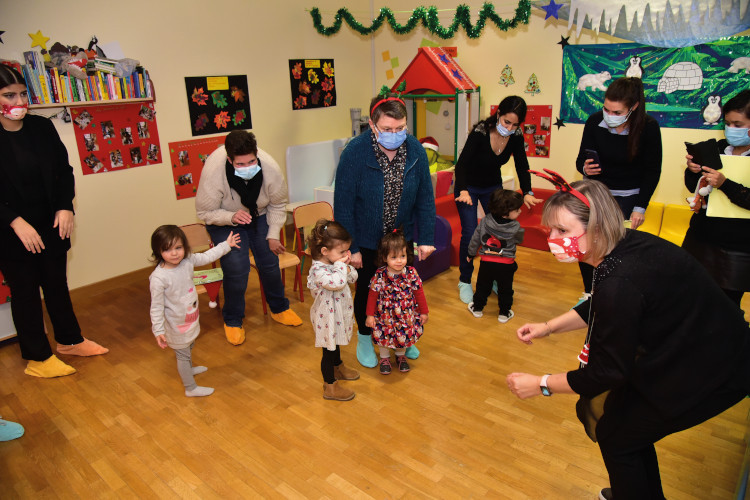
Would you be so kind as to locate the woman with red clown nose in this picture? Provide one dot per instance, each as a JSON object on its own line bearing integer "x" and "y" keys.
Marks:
{"x": 36, "y": 220}
{"x": 658, "y": 359}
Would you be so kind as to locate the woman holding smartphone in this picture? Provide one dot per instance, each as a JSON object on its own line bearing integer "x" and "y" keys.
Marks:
{"x": 621, "y": 147}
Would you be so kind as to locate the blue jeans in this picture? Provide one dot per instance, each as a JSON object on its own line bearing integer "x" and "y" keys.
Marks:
{"x": 468, "y": 216}
{"x": 236, "y": 267}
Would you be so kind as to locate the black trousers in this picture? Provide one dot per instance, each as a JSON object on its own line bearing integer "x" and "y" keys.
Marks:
{"x": 362, "y": 288}
{"x": 25, "y": 277}
{"x": 490, "y": 272}
{"x": 626, "y": 438}
{"x": 329, "y": 360}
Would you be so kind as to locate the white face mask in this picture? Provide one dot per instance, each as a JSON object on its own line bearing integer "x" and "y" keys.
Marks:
{"x": 502, "y": 130}
{"x": 614, "y": 121}
{"x": 247, "y": 173}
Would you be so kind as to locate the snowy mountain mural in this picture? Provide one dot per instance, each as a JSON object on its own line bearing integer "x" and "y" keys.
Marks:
{"x": 659, "y": 23}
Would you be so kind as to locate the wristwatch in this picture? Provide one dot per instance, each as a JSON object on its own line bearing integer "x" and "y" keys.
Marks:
{"x": 530, "y": 193}
{"x": 543, "y": 386}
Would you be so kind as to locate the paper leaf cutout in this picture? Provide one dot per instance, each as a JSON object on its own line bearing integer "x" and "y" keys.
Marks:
{"x": 222, "y": 119}
{"x": 219, "y": 100}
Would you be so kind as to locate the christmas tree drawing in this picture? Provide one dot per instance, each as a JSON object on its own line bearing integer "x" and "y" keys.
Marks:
{"x": 506, "y": 76}
{"x": 532, "y": 87}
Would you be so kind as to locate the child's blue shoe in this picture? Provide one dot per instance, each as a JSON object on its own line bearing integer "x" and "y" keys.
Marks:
{"x": 465, "y": 292}
{"x": 494, "y": 287}
{"x": 10, "y": 430}
{"x": 366, "y": 351}
{"x": 412, "y": 352}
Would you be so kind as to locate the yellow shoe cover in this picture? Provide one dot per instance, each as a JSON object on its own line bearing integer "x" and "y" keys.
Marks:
{"x": 50, "y": 368}
{"x": 288, "y": 318}
{"x": 235, "y": 334}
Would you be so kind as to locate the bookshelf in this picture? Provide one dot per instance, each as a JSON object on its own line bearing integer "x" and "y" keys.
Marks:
{"x": 88, "y": 103}
{"x": 50, "y": 87}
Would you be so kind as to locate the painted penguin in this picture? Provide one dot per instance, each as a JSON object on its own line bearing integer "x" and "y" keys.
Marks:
{"x": 712, "y": 111}
{"x": 635, "y": 69}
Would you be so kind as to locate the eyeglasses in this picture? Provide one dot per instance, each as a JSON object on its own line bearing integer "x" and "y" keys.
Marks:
{"x": 393, "y": 130}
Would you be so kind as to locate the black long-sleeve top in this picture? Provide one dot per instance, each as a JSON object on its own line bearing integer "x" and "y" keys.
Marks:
{"x": 36, "y": 180}
{"x": 727, "y": 233}
{"x": 618, "y": 172}
{"x": 479, "y": 166}
{"x": 661, "y": 327}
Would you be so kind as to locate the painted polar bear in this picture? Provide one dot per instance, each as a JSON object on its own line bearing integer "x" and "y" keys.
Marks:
{"x": 739, "y": 64}
{"x": 594, "y": 80}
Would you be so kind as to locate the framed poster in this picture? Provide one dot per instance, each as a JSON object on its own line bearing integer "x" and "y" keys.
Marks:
{"x": 116, "y": 136}
{"x": 218, "y": 104}
{"x": 313, "y": 83}
{"x": 188, "y": 158}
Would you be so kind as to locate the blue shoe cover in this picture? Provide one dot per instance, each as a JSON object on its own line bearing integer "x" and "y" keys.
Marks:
{"x": 10, "y": 430}
{"x": 366, "y": 351}
{"x": 412, "y": 352}
{"x": 465, "y": 292}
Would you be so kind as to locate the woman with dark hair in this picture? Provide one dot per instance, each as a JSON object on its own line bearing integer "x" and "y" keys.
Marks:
{"x": 722, "y": 244}
{"x": 621, "y": 147}
{"x": 659, "y": 356}
{"x": 382, "y": 183}
{"x": 36, "y": 220}
{"x": 488, "y": 147}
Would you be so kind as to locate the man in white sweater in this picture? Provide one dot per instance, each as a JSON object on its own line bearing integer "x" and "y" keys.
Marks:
{"x": 243, "y": 190}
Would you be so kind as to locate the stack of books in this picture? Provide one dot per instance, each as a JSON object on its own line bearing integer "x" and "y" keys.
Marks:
{"x": 50, "y": 86}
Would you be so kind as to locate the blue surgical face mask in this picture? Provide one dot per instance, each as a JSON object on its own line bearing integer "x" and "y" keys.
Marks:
{"x": 614, "y": 121}
{"x": 391, "y": 140}
{"x": 247, "y": 173}
{"x": 502, "y": 130}
{"x": 737, "y": 136}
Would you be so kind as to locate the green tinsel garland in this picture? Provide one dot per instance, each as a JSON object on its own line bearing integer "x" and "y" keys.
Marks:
{"x": 429, "y": 18}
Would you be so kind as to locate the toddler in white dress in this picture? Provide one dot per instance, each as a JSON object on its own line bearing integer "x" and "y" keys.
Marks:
{"x": 332, "y": 313}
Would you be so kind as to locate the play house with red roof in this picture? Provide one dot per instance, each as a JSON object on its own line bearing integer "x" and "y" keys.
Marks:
{"x": 434, "y": 74}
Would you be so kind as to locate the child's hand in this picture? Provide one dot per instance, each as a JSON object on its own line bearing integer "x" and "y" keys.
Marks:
{"x": 469, "y": 258}
{"x": 161, "y": 340}
{"x": 346, "y": 258}
{"x": 233, "y": 239}
{"x": 423, "y": 317}
{"x": 370, "y": 322}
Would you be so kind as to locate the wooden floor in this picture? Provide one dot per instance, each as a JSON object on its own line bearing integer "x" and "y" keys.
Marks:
{"x": 122, "y": 428}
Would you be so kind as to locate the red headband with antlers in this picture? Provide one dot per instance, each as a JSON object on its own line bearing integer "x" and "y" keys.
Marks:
{"x": 561, "y": 184}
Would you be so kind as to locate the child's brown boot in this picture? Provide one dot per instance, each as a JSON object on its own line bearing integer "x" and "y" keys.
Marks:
{"x": 342, "y": 372}
{"x": 337, "y": 392}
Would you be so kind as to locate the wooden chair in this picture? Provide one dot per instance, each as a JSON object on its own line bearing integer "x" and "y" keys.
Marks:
{"x": 199, "y": 240}
{"x": 306, "y": 216}
{"x": 286, "y": 260}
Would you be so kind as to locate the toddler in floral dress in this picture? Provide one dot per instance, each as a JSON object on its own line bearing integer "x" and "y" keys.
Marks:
{"x": 396, "y": 305}
{"x": 332, "y": 313}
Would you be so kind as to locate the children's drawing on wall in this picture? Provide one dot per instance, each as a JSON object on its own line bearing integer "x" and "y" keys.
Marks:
{"x": 684, "y": 87}
{"x": 506, "y": 76}
{"x": 313, "y": 83}
{"x": 218, "y": 103}
{"x": 187, "y": 158}
{"x": 532, "y": 86}
{"x": 106, "y": 140}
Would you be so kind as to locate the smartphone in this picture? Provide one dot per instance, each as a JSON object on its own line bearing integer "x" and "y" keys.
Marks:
{"x": 593, "y": 155}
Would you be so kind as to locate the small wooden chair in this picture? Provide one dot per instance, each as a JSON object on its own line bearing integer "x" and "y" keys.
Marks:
{"x": 306, "y": 216}
{"x": 286, "y": 260}
{"x": 199, "y": 240}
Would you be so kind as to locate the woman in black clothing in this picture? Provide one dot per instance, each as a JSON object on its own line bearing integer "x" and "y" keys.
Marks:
{"x": 627, "y": 143}
{"x": 660, "y": 357}
{"x": 723, "y": 244}
{"x": 36, "y": 220}
{"x": 488, "y": 148}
